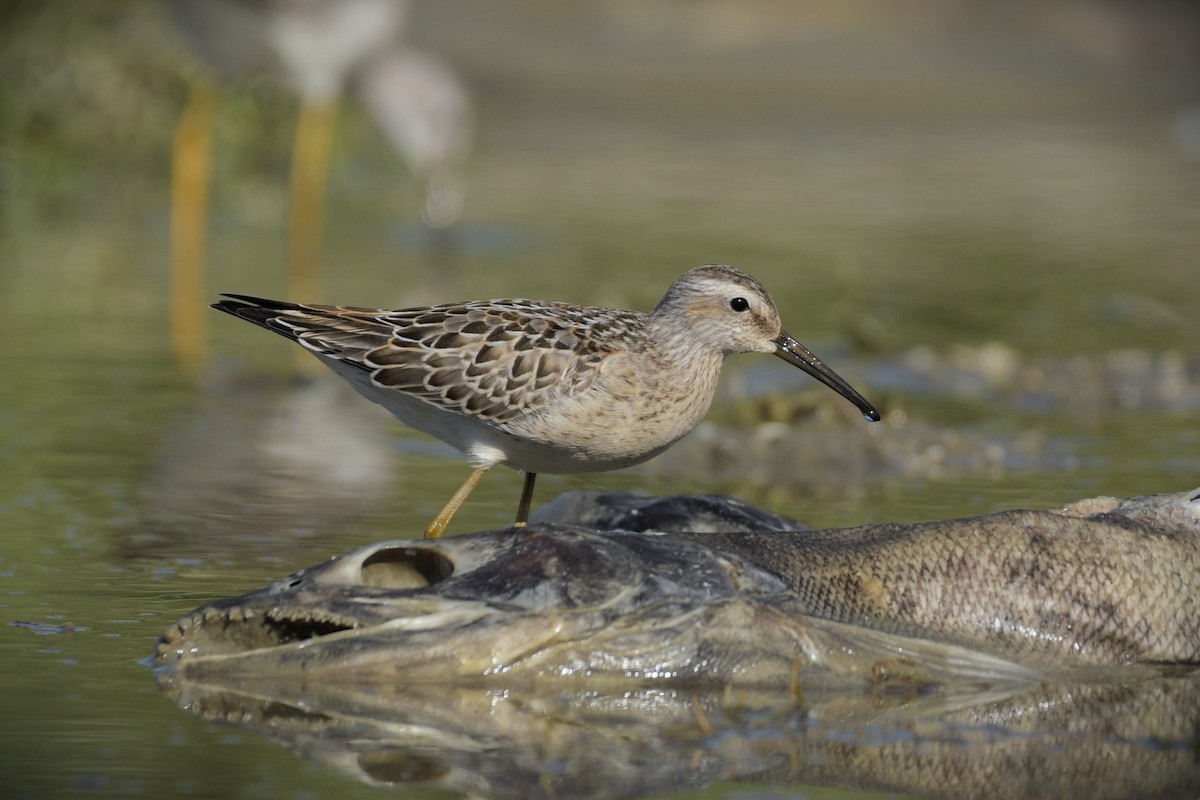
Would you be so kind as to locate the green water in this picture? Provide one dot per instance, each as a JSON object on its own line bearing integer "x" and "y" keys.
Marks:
{"x": 935, "y": 190}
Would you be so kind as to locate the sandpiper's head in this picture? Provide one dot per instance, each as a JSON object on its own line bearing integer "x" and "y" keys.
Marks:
{"x": 722, "y": 308}
{"x": 727, "y": 311}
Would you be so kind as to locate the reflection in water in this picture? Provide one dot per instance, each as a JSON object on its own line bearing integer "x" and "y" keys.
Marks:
{"x": 1099, "y": 740}
{"x": 275, "y": 455}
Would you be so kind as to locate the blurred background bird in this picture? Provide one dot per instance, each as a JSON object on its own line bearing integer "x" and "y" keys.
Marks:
{"x": 323, "y": 48}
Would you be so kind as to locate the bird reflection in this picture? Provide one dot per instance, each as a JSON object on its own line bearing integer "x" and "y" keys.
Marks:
{"x": 266, "y": 455}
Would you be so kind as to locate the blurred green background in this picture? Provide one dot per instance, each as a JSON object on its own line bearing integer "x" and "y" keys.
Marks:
{"x": 985, "y": 216}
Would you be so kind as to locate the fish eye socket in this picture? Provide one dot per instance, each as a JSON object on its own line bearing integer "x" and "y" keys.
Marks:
{"x": 739, "y": 304}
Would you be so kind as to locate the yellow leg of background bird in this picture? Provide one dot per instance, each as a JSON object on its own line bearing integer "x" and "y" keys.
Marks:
{"x": 526, "y": 500}
{"x": 435, "y": 529}
{"x": 187, "y": 308}
{"x": 306, "y": 209}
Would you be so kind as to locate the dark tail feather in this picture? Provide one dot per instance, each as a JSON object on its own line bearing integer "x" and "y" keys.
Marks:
{"x": 259, "y": 310}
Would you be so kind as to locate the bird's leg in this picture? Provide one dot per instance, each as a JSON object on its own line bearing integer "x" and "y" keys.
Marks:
{"x": 435, "y": 529}
{"x": 189, "y": 213}
{"x": 526, "y": 499}
{"x": 306, "y": 210}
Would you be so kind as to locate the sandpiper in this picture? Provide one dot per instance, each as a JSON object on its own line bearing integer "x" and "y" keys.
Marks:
{"x": 544, "y": 386}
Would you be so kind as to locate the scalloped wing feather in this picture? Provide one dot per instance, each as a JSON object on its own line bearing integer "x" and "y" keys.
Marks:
{"x": 493, "y": 360}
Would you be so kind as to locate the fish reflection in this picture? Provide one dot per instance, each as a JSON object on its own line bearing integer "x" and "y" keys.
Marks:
{"x": 1095, "y": 740}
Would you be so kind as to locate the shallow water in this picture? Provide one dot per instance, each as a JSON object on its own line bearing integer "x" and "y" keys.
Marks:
{"x": 903, "y": 192}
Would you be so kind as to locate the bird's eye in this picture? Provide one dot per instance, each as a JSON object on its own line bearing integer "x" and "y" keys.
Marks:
{"x": 739, "y": 304}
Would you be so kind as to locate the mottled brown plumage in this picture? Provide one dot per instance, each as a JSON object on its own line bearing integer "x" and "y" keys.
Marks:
{"x": 543, "y": 386}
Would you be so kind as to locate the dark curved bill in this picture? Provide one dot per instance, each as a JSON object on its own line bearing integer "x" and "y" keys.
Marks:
{"x": 800, "y": 356}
